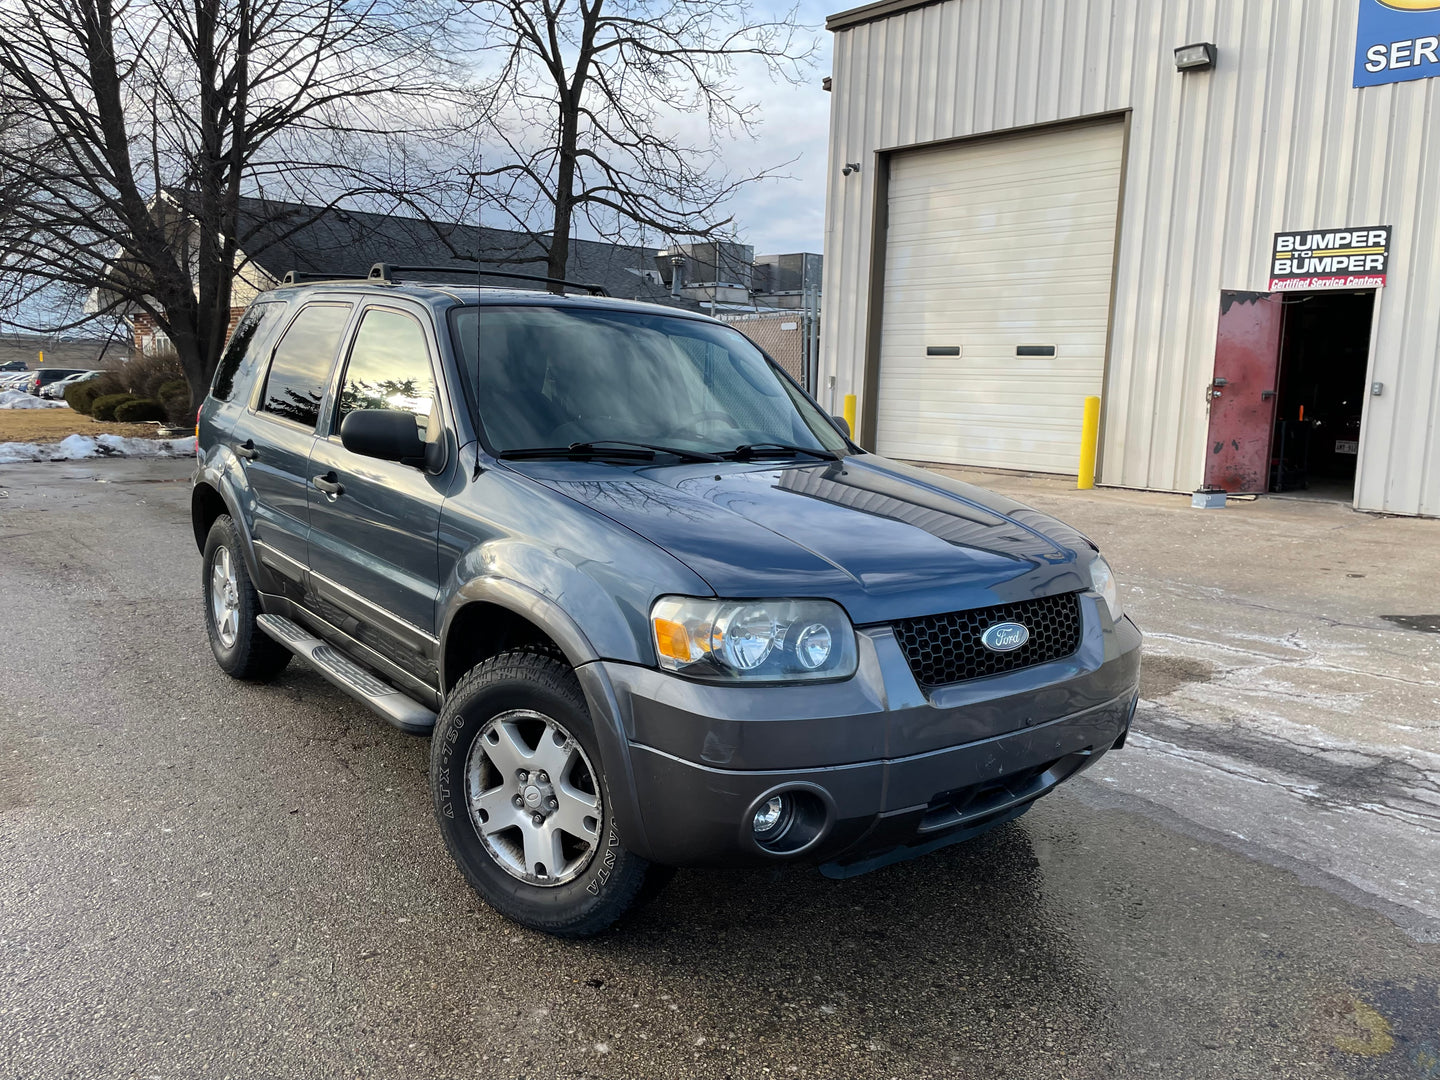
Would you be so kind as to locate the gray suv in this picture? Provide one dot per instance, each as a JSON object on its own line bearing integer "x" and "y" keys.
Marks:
{"x": 652, "y": 605}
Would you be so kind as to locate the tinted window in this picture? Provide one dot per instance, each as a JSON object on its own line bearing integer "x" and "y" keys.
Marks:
{"x": 552, "y": 376}
{"x": 389, "y": 367}
{"x": 248, "y": 342}
{"x": 296, "y": 383}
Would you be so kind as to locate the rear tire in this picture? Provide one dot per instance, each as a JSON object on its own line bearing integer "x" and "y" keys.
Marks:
{"x": 232, "y": 605}
{"x": 522, "y": 803}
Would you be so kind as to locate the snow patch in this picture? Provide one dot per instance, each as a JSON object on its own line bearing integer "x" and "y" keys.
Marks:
{"x": 79, "y": 447}
{"x": 19, "y": 399}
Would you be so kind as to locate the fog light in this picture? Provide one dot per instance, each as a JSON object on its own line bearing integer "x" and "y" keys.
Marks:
{"x": 769, "y": 816}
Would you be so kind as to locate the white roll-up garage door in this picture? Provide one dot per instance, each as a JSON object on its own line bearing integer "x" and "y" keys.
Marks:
{"x": 998, "y": 262}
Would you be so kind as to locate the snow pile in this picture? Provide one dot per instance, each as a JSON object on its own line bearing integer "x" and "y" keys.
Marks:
{"x": 77, "y": 447}
{"x": 19, "y": 399}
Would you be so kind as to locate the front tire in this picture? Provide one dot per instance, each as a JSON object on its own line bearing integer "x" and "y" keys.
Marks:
{"x": 522, "y": 802}
{"x": 232, "y": 606}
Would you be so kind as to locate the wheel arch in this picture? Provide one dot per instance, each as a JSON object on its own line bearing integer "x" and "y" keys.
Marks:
{"x": 489, "y": 616}
{"x": 210, "y": 497}
{"x": 206, "y": 504}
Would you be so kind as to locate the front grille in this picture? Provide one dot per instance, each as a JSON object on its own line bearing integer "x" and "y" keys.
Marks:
{"x": 945, "y": 649}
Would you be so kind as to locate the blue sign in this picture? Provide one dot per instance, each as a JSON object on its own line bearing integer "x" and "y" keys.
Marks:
{"x": 1399, "y": 40}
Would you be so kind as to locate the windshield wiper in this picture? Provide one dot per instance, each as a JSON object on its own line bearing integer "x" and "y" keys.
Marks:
{"x": 750, "y": 451}
{"x": 609, "y": 448}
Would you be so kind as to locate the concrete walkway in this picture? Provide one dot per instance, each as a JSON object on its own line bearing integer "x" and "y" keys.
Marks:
{"x": 1289, "y": 702}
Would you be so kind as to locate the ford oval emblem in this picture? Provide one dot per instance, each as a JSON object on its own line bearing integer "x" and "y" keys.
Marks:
{"x": 1005, "y": 637}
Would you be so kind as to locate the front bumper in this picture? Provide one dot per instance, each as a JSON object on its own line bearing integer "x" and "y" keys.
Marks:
{"x": 877, "y": 765}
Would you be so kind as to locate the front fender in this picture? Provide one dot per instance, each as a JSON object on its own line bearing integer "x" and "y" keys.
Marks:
{"x": 585, "y": 581}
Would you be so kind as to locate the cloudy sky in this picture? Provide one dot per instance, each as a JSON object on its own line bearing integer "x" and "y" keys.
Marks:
{"x": 780, "y": 216}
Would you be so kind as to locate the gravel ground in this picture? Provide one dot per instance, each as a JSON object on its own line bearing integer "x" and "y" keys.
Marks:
{"x": 204, "y": 878}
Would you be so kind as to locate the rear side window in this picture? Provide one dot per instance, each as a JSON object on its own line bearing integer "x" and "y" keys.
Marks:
{"x": 389, "y": 368}
{"x": 254, "y": 332}
{"x": 296, "y": 382}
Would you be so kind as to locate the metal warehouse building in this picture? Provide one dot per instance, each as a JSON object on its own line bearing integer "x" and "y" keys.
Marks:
{"x": 1220, "y": 216}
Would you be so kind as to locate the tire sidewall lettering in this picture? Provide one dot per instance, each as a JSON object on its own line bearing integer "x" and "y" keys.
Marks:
{"x": 447, "y": 752}
{"x": 607, "y": 863}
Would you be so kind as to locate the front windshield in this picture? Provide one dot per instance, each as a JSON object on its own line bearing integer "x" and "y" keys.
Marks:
{"x": 554, "y": 377}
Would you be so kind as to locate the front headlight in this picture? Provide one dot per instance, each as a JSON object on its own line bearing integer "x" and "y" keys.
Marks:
{"x": 1102, "y": 579}
{"x": 753, "y": 640}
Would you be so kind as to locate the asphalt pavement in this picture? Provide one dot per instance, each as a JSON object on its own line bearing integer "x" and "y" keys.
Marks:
{"x": 209, "y": 879}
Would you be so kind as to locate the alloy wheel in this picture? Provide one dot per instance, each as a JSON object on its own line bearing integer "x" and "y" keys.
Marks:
{"x": 533, "y": 798}
{"x": 225, "y": 597}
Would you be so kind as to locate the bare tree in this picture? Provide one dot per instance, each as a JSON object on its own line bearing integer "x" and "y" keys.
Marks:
{"x": 142, "y": 124}
{"x": 589, "y": 97}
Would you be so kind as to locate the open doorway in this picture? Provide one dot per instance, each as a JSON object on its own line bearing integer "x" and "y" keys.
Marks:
{"x": 1324, "y": 362}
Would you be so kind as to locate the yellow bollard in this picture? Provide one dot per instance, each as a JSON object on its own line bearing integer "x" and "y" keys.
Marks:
{"x": 1089, "y": 440}
{"x": 42, "y": 356}
{"x": 850, "y": 414}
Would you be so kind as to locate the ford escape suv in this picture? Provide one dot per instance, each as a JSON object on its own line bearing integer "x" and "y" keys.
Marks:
{"x": 652, "y": 605}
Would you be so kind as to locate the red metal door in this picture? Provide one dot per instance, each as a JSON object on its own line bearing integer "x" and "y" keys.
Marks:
{"x": 1243, "y": 394}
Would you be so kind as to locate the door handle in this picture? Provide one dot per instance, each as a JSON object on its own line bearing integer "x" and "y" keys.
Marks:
{"x": 329, "y": 484}
{"x": 246, "y": 450}
{"x": 1266, "y": 395}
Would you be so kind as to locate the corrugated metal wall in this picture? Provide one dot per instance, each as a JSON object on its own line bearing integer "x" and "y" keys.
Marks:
{"x": 1275, "y": 138}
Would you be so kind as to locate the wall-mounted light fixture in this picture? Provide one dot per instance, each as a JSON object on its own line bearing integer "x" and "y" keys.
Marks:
{"x": 1198, "y": 57}
{"x": 850, "y": 166}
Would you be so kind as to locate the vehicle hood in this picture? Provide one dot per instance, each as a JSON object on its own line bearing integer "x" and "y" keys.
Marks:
{"x": 883, "y": 539}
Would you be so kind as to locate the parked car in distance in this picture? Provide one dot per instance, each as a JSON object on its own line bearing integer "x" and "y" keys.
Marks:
{"x": 13, "y": 380}
{"x": 56, "y": 390}
{"x": 38, "y": 380}
{"x": 653, "y": 606}
{"x": 14, "y": 365}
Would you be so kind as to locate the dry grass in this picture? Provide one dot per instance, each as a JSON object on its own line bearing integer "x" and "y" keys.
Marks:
{"x": 52, "y": 425}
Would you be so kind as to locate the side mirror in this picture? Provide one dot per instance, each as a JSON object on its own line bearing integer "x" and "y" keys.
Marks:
{"x": 844, "y": 426}
{"x": 387, "y": 434}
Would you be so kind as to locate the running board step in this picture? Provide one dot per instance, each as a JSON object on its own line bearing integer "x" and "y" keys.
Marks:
{"x": 401, "y": 710}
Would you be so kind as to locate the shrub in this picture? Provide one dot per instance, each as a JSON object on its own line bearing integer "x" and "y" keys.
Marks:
{"x": 139, "y": 410}
{"x": 103, "y": 408}
{"x": 81, "y": 396}
{"x": 145, "y": 375}
{"x": 175, "y": 396}
{"x": 110, "y": 382}
{"x": 142, "y": 375}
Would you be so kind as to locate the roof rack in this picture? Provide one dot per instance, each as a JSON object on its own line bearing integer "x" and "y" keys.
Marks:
{"x": 386, "y": 272}
{"x": 301, "y": 277}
